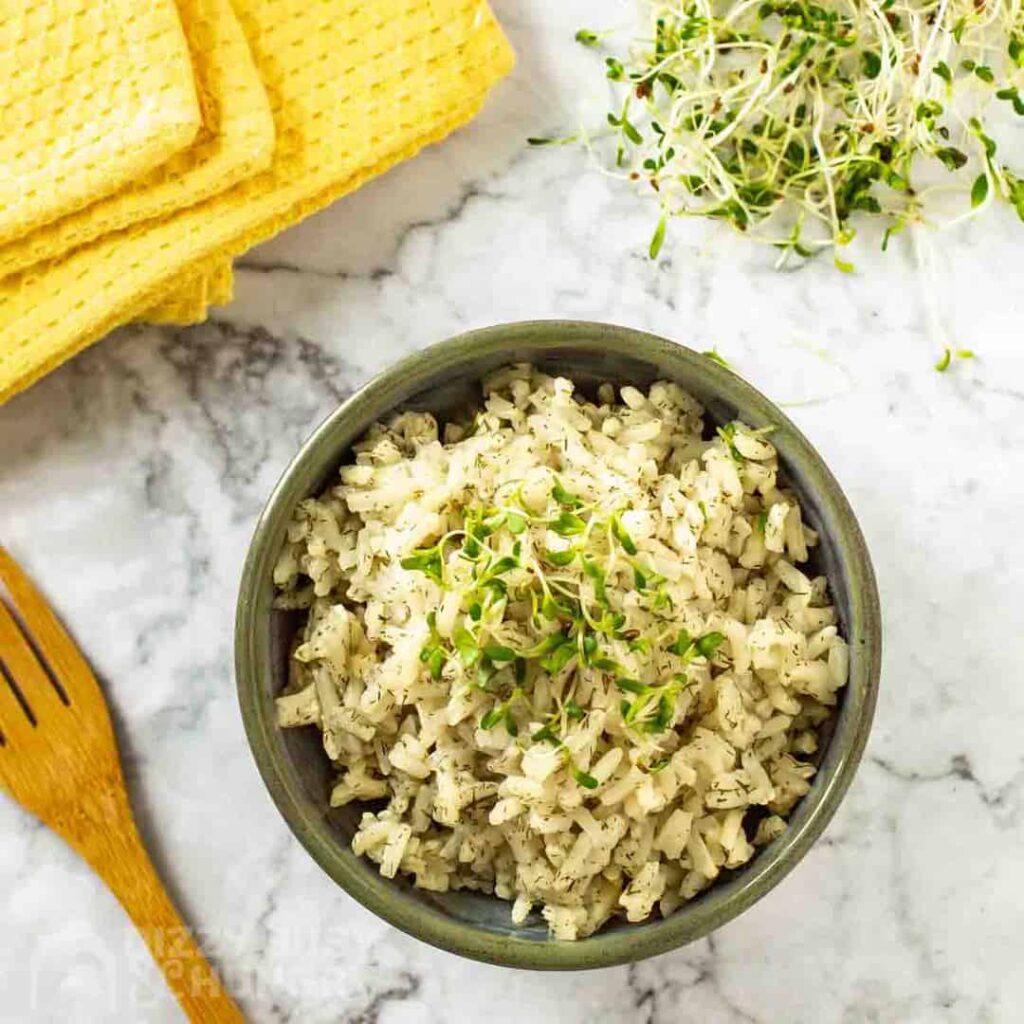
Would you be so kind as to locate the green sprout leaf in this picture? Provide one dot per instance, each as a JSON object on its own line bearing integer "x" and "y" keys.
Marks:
{"x": 546, "y": 733}
{"x": 485, "y": 672}
{"x": 436, "y": 663}
{"x": 1015, "y": 49}
{"x": 943, "y": 364}
{"x": 638, "y": 707}
{"x": 563, "y": 497}
{"x": 493, "y": 717}
{"x": 658, "y": 238}
{"x": 502, "y": 566}
{"x": 987, "y": 141}
{"x": 499, "y": 653}
{"x": 728, "y": 435}
{"x": 573, "y": 711}
{"x": 585, "y": 780}
{"x": 554, "y": 662}
{"x": 630, "y": 131}
{"x": 567, "y": 524}
{"x": 1013, "y": 97}
{"x": 552, "y": 609}
{"x": 621, "y": 534}
{"x": 466, "y": 645}
{"x": 681, "y": 644}
{"x": 665, "y": 713}
{"x": 587, "y": 38}
{"x": 516, "y": 523}
{"x": 979, "y": 190}
{"x": 709, "y": 643}
{"x": 952, "y": 159}
{"x": 536, "y": 140}
{"x": 560, "y": 558}
{"x": 596, "y": 576}
{"x": 631, "y": 685}
{"x": 550, "y": 643}
{"x": 427, "y": 561}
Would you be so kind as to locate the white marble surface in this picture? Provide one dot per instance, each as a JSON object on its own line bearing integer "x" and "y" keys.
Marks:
{"x": 131, "y": 478}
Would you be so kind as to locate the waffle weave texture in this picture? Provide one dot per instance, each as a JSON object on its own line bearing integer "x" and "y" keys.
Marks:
{"x": 93, "y": 94}
{"x": 190, "y": 296}
{"x": 235, "y": 141}
{"x": 353, "y": 87}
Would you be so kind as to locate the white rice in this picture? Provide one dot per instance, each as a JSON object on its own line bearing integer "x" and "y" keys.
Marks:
{"x": 637, "y": 773}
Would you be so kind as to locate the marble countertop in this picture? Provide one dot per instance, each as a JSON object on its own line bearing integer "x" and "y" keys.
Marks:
{"x": 130, "y": 481}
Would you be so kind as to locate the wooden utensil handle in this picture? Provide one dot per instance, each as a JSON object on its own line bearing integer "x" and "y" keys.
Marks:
{"x": 189, "y": 974}
{"x": 117, "y": 854}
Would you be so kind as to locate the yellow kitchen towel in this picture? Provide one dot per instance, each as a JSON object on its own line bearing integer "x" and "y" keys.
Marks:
{"x": 236, "y": 140}
{"x": 354, "y": 88}
{"x": 190, "y": 296}
{"x": 186, "y": 302}
{"x": 93, "y": 93}
{"x": 220, "y": 284}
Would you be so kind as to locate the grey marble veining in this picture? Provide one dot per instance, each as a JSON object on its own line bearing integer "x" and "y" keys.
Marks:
{"x": 130, "y": 481}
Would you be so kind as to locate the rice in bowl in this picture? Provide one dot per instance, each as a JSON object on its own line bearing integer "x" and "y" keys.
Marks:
{"x": 563, "y": 653}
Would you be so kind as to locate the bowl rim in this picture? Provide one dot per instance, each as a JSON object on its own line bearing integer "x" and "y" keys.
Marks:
{"x": 721, "y": 902}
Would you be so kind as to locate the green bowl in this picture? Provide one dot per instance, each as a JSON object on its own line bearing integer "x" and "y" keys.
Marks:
{"x": 444, "y": 379}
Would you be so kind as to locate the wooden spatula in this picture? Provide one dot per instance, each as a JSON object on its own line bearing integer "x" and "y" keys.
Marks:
{"x": 59, "y": 760}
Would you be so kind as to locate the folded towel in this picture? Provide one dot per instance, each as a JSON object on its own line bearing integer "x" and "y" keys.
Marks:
{"x": 93, "y": 94}
{"x": 354, "y": 88}
{"x": 236, "y": 140}
{"x": 190, "y": 295}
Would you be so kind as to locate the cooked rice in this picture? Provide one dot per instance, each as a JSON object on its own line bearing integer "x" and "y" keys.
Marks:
{"x": 607, "y": 752}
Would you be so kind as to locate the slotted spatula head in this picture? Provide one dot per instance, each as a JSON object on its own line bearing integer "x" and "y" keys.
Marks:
{"x": 57, "y": 740}
{"x": 58, "y": 759}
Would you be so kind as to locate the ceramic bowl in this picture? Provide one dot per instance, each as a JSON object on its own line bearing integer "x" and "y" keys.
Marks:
{"x": 444, "y": 379}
